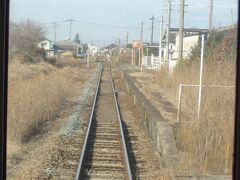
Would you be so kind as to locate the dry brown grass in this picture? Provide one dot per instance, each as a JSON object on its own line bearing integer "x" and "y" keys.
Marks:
{"x": 61, "y": 61}
{"x": 206, "y": 143}
{"x": 21, "y": 71}
{"x": 37, "y": 92}
{"x": 34, "y": 101}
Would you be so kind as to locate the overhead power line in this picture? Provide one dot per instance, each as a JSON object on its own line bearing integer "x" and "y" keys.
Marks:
{"x": 103, "y": 28}
{"x": 98, "y": 25}
{"x": 107, "y": 25}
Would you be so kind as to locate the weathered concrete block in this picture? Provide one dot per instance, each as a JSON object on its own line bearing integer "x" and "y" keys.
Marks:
{"x": 167, "y": 144}
{"x": 159, "y": 130}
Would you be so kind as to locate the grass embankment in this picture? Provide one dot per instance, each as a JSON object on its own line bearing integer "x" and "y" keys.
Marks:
{"x": 206, "y": 144}
{"x": 37, "y": 92}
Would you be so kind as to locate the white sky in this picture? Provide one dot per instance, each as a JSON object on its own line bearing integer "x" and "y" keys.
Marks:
{"x": 124, "y": 13}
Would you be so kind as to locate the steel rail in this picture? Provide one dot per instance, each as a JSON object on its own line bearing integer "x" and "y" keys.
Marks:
{"x": 79, "y": 169}
{"x": 120, "y": 127}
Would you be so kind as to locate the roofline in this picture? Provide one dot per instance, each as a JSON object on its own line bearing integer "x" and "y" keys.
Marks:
{"x": 189, "y": 35}
{"x": 47, "y": 39}
{"x": 190, "y": 29}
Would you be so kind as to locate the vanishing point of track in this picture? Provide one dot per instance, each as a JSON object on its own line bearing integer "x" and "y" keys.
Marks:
{"x": 104, "y": 152}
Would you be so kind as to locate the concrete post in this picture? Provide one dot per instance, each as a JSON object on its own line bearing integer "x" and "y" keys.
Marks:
{"x": 200, "y": 79}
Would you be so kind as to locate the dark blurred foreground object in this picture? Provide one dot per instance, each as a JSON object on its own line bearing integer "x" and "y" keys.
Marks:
{"x": 236, "y": 155}
{"x": 4, "y": 21}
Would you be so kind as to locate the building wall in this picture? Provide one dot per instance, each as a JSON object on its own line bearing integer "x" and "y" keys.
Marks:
{"x": 93, "y": 50}
{"x": 47, "y": 45}
{"x": 188, "y": 43}
{"x": 50, "y": 54}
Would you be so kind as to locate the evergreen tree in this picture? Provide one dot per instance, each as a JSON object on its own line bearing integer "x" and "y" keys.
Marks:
{"x": 76, "y": 39}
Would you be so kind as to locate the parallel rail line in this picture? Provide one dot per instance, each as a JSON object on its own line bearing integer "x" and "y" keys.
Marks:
{"x": 104, "y": 153}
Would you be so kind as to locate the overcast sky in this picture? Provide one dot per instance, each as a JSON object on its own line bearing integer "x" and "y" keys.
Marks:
{"x": 106, "y": 20}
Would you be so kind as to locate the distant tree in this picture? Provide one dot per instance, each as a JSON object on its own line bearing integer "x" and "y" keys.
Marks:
{"x": 220, "y": 46}
{"x": 77, "y": 39}
{"x": 25, "y": 35}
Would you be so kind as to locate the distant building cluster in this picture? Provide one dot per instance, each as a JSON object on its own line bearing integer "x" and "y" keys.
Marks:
{"x": 151, "y": 58}
{"x": 67, "y": 48}
{"x": 191, "y": 38}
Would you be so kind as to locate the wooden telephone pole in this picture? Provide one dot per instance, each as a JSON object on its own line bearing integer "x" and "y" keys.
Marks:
{"x": 127, "y": 38}
{"x": 211, "y": 16}
{"x": 181, "y": 30}
{"x": 160, "y": 41}
{"x": 141, "y": 35}
{"x": 169, "y": 28}
{"x": 55, "y": 31}
{"x": 70, "y": 30}
{"x": 152, "y": 19}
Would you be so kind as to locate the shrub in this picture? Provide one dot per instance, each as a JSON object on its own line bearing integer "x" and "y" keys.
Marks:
{"x": 24, "y": 37}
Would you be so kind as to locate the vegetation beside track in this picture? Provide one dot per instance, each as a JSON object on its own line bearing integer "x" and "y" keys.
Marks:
{"x": 206, "y": 143}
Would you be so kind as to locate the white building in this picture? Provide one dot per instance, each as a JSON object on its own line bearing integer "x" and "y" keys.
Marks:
{"x": 92, "y": 50}
{"x": 48, "y": 46}
{"x": 191, "y": 38}
{"x": 189, "y": 41}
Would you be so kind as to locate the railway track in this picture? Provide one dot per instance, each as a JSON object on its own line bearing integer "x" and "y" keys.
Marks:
{"x": 104, "y": 153}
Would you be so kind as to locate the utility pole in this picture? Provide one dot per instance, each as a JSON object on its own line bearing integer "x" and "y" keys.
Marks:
{"x": 70, "y": 31}
{"x": 99, "y": 44}
{"x": 160, "y": 41}
{"x": 55, "y": 31}
{"x": 232, "y": 16}
{"x": 141, "y": 35}
{"x": 181, "y": 29}
{"x": 119, "y": 49}
{"x": 152, "y": 19}
{"x": 211, "y": 16}
{"x": 169, "y": 27}
{"x": 88, "y": 61}
{"x": 127, "y": 38}
{"x": 119, "y": 45}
